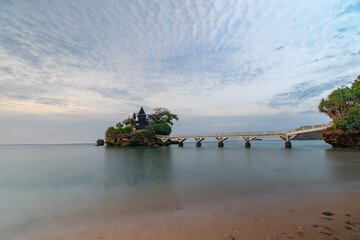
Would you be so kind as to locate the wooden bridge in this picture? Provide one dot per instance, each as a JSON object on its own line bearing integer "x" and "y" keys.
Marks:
{"x": 285, "y": 135}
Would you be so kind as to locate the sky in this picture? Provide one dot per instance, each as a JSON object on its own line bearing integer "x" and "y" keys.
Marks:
{"x": 70, "y": 69}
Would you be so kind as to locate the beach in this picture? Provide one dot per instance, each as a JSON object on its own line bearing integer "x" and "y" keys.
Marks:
{"x": 324, "y": 216}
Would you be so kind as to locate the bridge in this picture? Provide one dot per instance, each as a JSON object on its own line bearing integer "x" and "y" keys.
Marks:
{"x": 286, "y": 135}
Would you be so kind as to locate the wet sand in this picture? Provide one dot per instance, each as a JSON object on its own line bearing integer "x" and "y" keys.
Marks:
{"x": 334, "y": 215}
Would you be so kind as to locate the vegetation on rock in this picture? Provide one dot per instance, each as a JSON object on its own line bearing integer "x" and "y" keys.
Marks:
{"x": 343, "y": 107}
{"x": 124, "y": 134}
{"x": 350, "y": 121}
{"x": 161, "y": 129}
{"x": 163, "y": 115}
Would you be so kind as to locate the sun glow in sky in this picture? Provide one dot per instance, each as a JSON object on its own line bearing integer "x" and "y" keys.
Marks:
{"x": 69, "y": 69}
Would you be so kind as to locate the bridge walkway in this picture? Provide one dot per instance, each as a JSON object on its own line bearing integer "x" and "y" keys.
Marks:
{"x": 286, "y": 135}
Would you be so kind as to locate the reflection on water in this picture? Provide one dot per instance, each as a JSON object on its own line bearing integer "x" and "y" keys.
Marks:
{"x": 38, "y": 182}
{"x": 345, "y": 163}
{"x": 136, "y": 166}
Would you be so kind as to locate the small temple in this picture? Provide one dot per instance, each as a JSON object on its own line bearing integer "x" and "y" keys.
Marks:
{"x": 142, "y": 122}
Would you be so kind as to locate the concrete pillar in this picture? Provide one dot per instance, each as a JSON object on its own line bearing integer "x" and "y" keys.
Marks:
{"x": 198, "y": 144}
{"x": 180, "y": 144}
{"x": 220, "y": 144}
{"x": 287, "y": 144}
{"x": 247, "y": 144}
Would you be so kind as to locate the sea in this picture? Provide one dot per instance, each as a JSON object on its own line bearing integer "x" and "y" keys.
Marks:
{"x": 40, "y": 182}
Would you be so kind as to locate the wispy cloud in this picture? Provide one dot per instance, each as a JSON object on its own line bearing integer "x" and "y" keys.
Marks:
{"x": 302, "y": 92}
{"x": 102, "y": 56}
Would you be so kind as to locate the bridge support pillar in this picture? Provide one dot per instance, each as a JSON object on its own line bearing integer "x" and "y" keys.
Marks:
{"x": 221, "y": 141}
{"x": 181, "y": 142}
{"x": 247, "y": 141}
{"x": 287, "y": 139}
{"x": 198, "y": 141}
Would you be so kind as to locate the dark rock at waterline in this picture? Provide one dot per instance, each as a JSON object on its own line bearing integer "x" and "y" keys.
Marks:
{"x": 135, "y": 138}
{"x": 100, "y": 142}
{"x": 341, "y": 138}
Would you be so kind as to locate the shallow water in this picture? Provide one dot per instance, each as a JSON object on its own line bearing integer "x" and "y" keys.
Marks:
{"x": 38, "y": 182}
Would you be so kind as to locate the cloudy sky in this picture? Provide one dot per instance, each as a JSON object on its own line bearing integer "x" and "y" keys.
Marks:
{"x": 69, "y": 69}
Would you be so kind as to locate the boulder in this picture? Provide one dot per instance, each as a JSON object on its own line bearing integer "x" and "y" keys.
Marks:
{"x": 100, "y": 142}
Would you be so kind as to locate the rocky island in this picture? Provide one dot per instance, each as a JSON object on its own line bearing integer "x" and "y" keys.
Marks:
{"x": 343, "y": 107}
{"x": 141, "y": 129}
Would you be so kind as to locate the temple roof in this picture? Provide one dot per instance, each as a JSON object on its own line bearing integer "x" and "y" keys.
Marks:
{"x": 142, "y": 112}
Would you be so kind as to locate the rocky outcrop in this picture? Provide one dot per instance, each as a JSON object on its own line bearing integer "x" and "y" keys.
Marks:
{"x": 341, "y": 138}
{"x": 100, "y": 142}
{"x": 129, "y": 139}
{"x": 135, "y": 138}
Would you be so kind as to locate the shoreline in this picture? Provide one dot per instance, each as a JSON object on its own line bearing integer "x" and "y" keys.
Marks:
{"x": 292, "y": 217}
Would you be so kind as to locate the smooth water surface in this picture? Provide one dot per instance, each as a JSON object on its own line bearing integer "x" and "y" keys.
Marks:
{"x": 42, "y": 181}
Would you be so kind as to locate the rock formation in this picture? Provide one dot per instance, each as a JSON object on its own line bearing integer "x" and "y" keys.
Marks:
{"x": 134, "y": 138}
{"x": 341, "y": 138}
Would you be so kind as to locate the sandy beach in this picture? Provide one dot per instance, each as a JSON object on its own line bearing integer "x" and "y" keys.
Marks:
{"x": 334, "y": 215}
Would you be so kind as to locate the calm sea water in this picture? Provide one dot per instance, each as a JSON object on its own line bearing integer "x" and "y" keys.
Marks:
{"x": 38, "y": 182}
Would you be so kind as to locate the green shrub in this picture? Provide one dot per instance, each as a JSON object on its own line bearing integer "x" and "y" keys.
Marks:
{"x": 128, "y": 129}
{"x": 119, "y": 130}
{"x": 161, "y": 129}
{"x": 351, "y": 120}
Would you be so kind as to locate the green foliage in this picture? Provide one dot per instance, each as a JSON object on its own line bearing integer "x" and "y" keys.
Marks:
{"x": 112, "y": 130}
{"x": 127, "y": 121}
{"x": 350, "y": 121}
{"x": 127, "y": 129}
{"x": 161, "y": 122}
{"x": 337, "y": 104}
{"x": 161, "y": 129}
{"x": 163, "y": 115}
{"x": 356, "y": 87}
{"x": 119, "y": 130}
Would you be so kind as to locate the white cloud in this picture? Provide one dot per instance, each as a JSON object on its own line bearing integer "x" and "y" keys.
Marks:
{"x": 200, "y": 58}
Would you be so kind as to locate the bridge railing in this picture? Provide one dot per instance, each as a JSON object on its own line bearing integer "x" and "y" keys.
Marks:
{"x": 319, "y": 127}
{"x": 249, "y": 134}
{"x": 213, "y": 135}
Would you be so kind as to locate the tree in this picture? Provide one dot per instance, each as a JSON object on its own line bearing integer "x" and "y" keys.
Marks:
{"x": 336, "y": 104}
{"x": 163, "y": 115}
{"x": 161, "y": 129}
{"x": 343, "y": 107}
{"x": 340, "y": 100}
{"x": 127, "y": 121}
{"x": 355, "y": 87}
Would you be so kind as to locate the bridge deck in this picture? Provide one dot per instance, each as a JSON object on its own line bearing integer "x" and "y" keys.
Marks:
{"x": 283, "y": 133}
